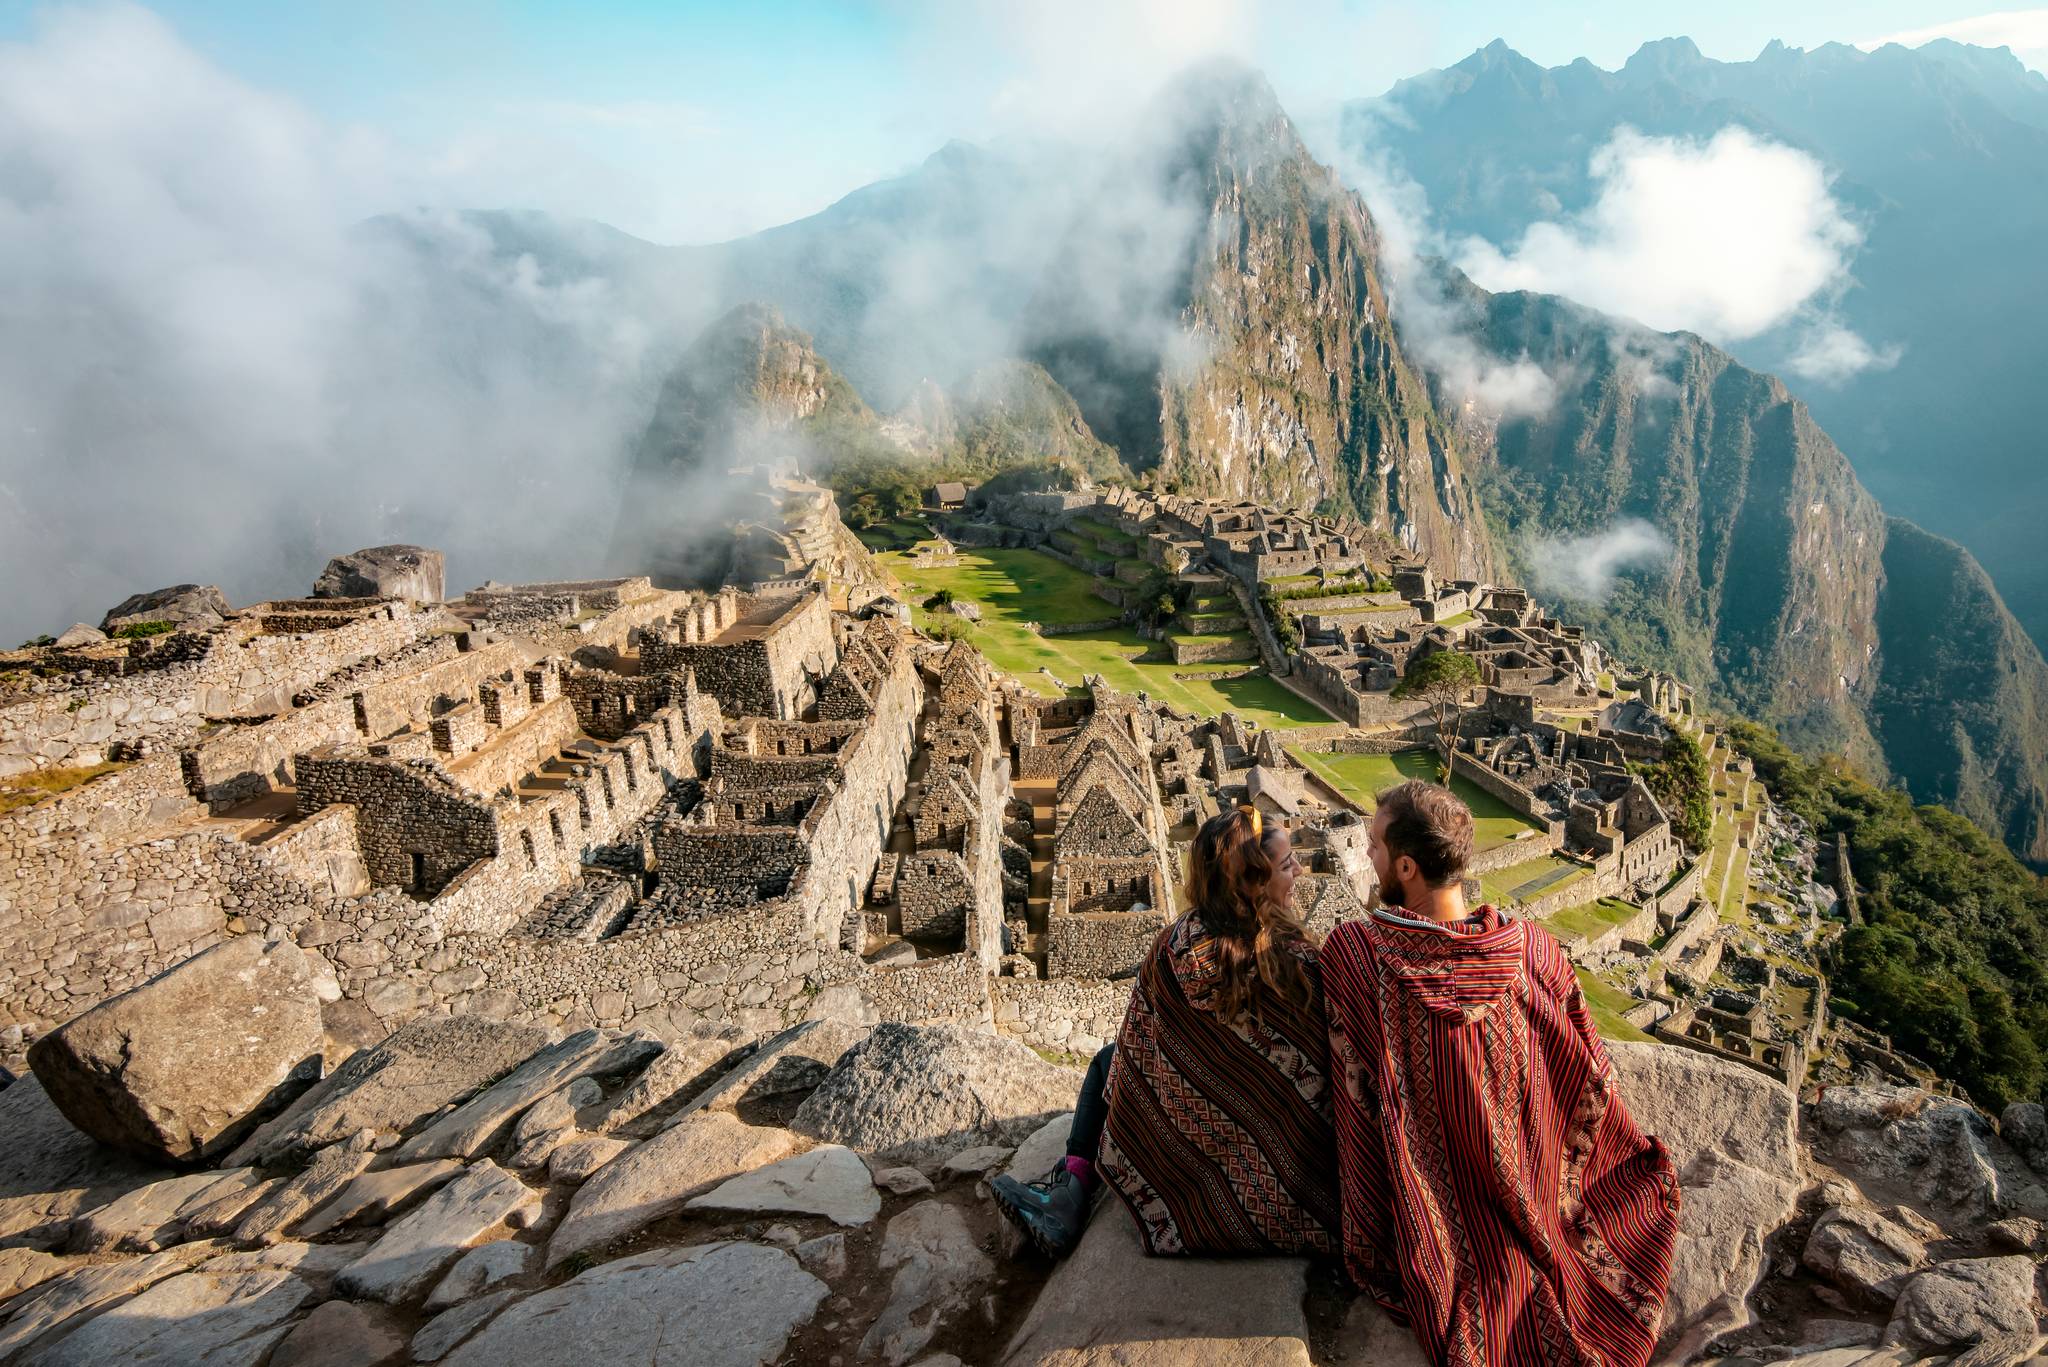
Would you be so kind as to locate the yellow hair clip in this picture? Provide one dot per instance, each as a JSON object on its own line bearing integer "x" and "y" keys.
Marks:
{"x": 1252, "y": 814}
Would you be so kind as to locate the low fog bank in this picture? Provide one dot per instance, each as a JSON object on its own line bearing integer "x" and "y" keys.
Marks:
{"x": 213, "y": 368}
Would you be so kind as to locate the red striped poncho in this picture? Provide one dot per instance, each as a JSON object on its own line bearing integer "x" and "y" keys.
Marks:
{"x": 1496, "y": 1193}
{"x": 1219, "y": 1136}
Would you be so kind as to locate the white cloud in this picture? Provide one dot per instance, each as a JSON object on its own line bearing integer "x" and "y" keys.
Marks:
{"x": 2025, "y": 31}
{"x": 1727, "y": 238}
{"x": 1829, "y": 353}
{"x": 1583, "y": 568}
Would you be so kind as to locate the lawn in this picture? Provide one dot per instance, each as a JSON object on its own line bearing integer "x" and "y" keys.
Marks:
{"x": 1014, "y": 587}
{"x": 899, "y": 535}
{"x": 1529, "y": 879}
{"x": 1605, "y": 1003}
{"x": 1590, "y": 918}
{"x": 1361, "y": 777}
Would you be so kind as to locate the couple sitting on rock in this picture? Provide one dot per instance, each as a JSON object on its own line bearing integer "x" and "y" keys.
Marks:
{"x": 1425, "y": 1092}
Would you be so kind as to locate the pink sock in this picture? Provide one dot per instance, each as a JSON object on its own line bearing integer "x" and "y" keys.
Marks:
{"x": 1082, "y": 1169}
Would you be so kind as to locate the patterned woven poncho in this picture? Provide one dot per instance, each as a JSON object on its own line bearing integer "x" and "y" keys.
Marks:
{"x": 1219, "y": 1136}
{"x": 1495, "y": 1190}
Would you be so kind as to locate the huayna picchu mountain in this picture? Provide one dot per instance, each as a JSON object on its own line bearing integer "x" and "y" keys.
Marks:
{"x": 1275, "y": 373}
{"x": 1789, "y": 590}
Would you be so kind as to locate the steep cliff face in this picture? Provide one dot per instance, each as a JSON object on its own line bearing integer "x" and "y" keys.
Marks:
{"x": 1786, "y": 588}
{"x": 1270, "y": 369}
{"x": 1961, "y": 696}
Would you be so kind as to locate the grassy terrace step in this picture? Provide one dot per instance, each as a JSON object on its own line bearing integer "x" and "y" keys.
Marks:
{"x": 1015, "y": 587}
{"x": 1605, "y": 1003}
{"x": 1590, "y": 919}
{"x": 1529, "y": 879}
{"x": 1361, "y": 777}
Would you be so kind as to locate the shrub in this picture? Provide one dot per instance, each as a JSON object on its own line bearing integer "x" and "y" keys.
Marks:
{"x": 136, "y": 631}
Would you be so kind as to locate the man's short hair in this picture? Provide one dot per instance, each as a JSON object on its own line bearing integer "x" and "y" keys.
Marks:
{"x": 1430, "y": 825}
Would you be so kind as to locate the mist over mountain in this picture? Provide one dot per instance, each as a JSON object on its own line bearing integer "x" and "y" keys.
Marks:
{"x": 1914, "y": 339}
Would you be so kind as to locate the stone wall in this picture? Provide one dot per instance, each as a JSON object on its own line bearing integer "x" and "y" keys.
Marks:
{"x": 1100, "y": 945}
{"x": 1207, "y": 652}
{"x": 1062, "y": 1016}
{"x": 1519, "y": 799}
{"x": 234, "y": 670}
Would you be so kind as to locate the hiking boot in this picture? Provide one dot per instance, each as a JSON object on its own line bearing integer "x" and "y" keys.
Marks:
{"x": 1053, "y": 1211}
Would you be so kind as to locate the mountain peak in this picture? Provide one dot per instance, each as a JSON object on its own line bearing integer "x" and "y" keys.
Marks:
{"x": 1663, "y": 56}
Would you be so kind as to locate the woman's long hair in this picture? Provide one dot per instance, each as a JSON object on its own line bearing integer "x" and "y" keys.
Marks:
{"x": 1259, "y": 938}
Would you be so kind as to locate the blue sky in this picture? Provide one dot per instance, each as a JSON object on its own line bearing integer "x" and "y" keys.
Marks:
{"x": 692, "y": 122}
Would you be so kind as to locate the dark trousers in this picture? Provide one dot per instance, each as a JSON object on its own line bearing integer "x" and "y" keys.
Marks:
{"x": 1091, "y": 1112}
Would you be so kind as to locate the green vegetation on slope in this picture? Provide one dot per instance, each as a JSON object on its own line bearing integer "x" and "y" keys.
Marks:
{"x": 1952, "y": 961}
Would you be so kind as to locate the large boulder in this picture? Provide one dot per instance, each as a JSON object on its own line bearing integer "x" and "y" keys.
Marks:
{"x": 1108, "y": 1305}
{"x": 178, "y": 1069}
{"x": 2024, "y": 1126}
{"x": 185, "y": 605}
{"x": 431, "y": 1063}
{"x": 1863, "y": 1253}
{"x": 931, "y": 1090}
{"x": 1941, "y": 1148}
{"x": 1967, "y": 1302}
{"x": 220, "y": 1318}
{"x": 1729, "y": 1130}
{"x": 411, "y": 572}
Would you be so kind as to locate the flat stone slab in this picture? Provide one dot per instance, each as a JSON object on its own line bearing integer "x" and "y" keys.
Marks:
{"x": 342, "y": 1334}
{"x": 481, "y": 1269}
{"x": 939, "y": 1267}
{"x": 147, "y": 1217}
{"x": 376, "y": 1196}
{"x": 49, "y": 1170}
{"x": 977, "y": 1161}
{"x": 222, "y": 1213}
{"x": 575, "y": 1159}
{"x": 1108, "y": 1305}
{"x": 795, "y": 1060}
{"x": 393, "y": 1086}
{"x": 487, "y": 1118}
{"x": 712, "y": 1305}
{"x": 84, "y": 1289}
{"x": 438, "y": 1336}
{"x": 23, "y": 1268}
{"x": 332, "y": 1169}
{"x": 658, "y": 1175}
{"x": 221, "y": 1319}
{"x": 680, "y": 1068}
{"x": 830, "y": 1181}
{"x": 414, "y": 1252}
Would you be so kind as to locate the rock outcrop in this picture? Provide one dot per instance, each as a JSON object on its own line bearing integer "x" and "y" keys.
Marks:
{"x": 178, "y": 1069}
{"x": 1730, "y": 1132}
{"x": 410, "y": 572}
{"x": 932, "y": 1090}
{"x": 185, "y": 605}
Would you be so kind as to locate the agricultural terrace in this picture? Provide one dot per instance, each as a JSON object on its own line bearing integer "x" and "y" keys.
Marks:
{"x": 1015, "y": 587}
{"x": 1361, "y": 777}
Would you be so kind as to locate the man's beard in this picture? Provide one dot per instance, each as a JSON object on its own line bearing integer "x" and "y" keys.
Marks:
{"x": 1391, "y": 895}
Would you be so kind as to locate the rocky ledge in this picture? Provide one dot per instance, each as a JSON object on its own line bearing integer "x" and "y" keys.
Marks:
{"x": 473, "y": 1193}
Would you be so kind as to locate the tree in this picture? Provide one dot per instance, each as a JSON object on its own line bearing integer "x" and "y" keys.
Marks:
{"x": 1442, "y": 680}
{"x": 1684, "y": 788}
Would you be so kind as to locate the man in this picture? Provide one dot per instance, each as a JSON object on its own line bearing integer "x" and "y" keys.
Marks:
{"x": 1496, "y": 1195}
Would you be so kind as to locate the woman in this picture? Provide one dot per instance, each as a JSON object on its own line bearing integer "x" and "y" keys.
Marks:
{"x": 1210, "y": 1115}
